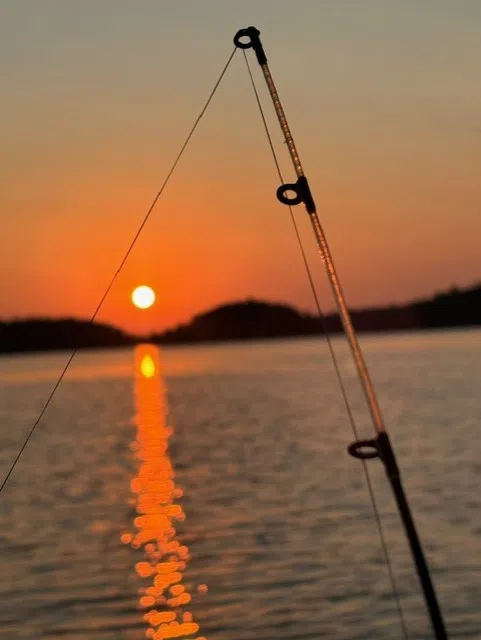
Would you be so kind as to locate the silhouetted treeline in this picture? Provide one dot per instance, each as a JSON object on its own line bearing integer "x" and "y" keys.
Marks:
{"x": 247, "y": 320}
{"x": 49, "y": 334}
{"x": 255, "y": 319}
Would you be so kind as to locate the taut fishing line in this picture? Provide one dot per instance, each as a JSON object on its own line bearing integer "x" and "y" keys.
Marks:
{"x": 380, "y": 446}
{"x": 327, "y": 336}
{"x": 122, "y": 263}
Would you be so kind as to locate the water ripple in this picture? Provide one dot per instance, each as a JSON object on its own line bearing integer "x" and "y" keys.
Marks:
{"x": 277, "y": 523}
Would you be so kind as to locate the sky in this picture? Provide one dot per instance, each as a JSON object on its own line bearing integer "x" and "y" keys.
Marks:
{"x": 384, "y": 102}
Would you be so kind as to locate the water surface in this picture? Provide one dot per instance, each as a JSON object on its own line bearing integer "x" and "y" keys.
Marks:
{"x": 234, "y": 459}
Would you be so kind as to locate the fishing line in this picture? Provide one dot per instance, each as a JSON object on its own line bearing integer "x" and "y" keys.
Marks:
{"x": 339, "y": 377}
{"x": 122, "y": 262}
{"x": 379, "y": 447}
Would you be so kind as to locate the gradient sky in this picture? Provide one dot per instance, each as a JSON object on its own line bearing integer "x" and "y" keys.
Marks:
{"x": 384, "y": 101}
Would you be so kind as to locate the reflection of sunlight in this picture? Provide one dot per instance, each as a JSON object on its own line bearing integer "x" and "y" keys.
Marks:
{"x": 147, "y": 366}
{"x": 165, "y": 558}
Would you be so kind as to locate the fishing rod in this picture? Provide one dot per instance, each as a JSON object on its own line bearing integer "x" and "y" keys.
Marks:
{"x": 380, "y": 446}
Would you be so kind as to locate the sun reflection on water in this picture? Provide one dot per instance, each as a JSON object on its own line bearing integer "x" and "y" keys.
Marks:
{"x": 165, "y": 558}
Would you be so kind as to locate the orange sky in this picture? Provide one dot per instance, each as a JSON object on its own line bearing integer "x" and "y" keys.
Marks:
{"x": 384, "y": 100}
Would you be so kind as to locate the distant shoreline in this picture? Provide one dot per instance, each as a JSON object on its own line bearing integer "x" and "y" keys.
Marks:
{"x": 240, "y": 342}
{"x": 246, "y": 321}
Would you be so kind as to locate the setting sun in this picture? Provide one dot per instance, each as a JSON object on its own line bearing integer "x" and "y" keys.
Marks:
{"x": 143, "y": 297}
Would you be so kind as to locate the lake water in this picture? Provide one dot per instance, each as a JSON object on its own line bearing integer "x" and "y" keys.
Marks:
{"x": 206, "y": 492}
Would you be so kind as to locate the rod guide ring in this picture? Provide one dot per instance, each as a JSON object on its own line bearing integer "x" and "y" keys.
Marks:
{"x": 364, "y": 449}
{"x": 283, "y": 191}
{"x": 251, "y": 33}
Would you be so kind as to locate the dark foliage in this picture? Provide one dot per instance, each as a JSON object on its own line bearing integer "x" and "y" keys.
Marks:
{"x": 244, "y": 321}
{"x": 49, "y": 334}
{"x": 254, "y": 319}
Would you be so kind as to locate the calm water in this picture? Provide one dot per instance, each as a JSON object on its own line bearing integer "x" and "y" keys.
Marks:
{"x": 206, "y": 492}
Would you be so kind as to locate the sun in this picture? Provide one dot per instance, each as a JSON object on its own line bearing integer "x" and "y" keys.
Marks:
{"x": 143, "y": 297}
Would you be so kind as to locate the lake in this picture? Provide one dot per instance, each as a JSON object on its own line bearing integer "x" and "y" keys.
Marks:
{"x": 206, "y": 491}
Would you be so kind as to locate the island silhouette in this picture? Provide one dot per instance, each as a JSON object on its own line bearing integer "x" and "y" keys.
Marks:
{"x": 246, "y": 320}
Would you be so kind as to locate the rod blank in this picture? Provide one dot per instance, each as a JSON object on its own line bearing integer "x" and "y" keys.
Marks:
{"x": 381, "y": 446}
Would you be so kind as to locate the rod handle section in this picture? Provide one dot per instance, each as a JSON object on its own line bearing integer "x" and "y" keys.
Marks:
{"x": 381, "y": 447}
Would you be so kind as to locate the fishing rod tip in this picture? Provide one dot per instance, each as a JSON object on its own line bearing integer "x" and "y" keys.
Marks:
{"x": 248, "y": 38}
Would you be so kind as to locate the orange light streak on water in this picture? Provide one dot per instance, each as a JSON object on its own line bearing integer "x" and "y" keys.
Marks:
{"x": 165, "y": 558}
